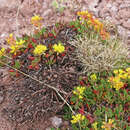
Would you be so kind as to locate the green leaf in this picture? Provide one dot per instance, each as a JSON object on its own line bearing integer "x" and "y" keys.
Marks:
{"x": 109, "y": 113}
{"x": 53, "y": 32}
{"x": 55, "y": 4}
{"x": 61, "y": 9}
{"x": 74, "y": 127}
{"x": 12, "y": 73}
{"x": 57, "y": 25}
{"x": 43, "y": 30}
{"x": 17, "y": 64}
{"x": 35, "y": 61}
{"x": 33, "y": 44}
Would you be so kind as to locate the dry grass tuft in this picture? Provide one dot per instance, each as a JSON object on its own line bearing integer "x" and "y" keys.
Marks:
{"x": 98, "y": 56}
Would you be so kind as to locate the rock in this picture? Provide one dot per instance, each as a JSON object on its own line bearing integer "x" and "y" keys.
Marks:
{"x": 114, "y": 8}
{"x": 48, "y": 12}
{"x": 91, "y": 4}
{"x": 2, "y": 93}
{"x": 124, "y": 13}
{"x": 56, "y": 121}
{"x": 104, "y": 13}
{"x": 126, "y": 24}
{"x": 124, "y": 5}
{"x": 3, "y": 35}
{"x": 115, "y": 21}
{"x": 122, "y": 31}
{"x": 8, "y": 3}
{"x": 108, "y": 18}
{"x": 1, "y": 99}
{"x": 109, "y": 5}
{"x": 119, "y": 1}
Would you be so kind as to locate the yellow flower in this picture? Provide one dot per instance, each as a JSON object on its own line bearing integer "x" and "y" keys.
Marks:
{"x": 115, "y": 72}
{"x": 14, "y": 49}
{"x": 36, "y": 20}
{"x": 118, "y": 85}
{"x": 58, "y": 48}
{"x": 97, "y": 28}
{"x": 21, "y": 42}
{"x": 79, "y": 91}
{"x": 116, "y": 82}
{"x": 123, "y": 76}
{"x": 77, "y": 118}
{"x": 2, "y": 52}
{"x": 39, "y": 49}
{"x": 11, "y": 35}
{"x": 108, "y": 125}
{"x": 10, "y": 40}
{"x": 89, "y": 22}
{"x": 80, "y": 97}
{"x": 116, "y": 79}
{"x": 128, "y": 70}
{"x": 89, "y": 15}
{"x": 121, "y": 71}
{"x": 93, "y": 77}
{"x": 95, "y": 126}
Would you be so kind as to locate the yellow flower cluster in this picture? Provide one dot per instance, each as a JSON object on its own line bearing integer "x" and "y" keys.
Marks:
{"x": 21, "y": 42}
{"x": 58, "y": 48}
{"x": 120, "y": 75}
{"x": 14, "y": 48}
{"x": 10, "y": 40}
{"x": 2, "y": 52}
{"x": 108, "y": 125}
{"x": 36, "y": 21}
{"x": 93, "y": 77}
{"x": 79, "y": 91}
{"x": 123, "y": 74}
{"x": 116, "y": 82}
{"x": 39, "y": 49}
{"x": 86, "y": 17}
{"x": 77, "y": 118}
{"x": 14, "y": 45}
{"x": 95, "y": 125}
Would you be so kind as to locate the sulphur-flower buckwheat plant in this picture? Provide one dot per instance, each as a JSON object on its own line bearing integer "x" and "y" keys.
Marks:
{"x": 58, "y": 48}
{"x": 87, "y": 18}
{"x": 77, "y": 118}
{"x": 108, "y": 125}
{"x": 79, "y": 91}
{"x": 2, "y": 52}
{"x": 39, "y": 49}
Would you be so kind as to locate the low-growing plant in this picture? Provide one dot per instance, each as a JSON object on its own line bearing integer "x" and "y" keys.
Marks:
{"x": 102, "y": 105}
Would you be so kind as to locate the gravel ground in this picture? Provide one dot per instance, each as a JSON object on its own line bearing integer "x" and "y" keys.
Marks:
{"x": 15, "y": 18}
